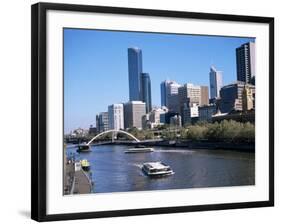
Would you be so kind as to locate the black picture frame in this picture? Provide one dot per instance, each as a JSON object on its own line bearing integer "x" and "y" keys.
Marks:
{"x": 39, "y": 121}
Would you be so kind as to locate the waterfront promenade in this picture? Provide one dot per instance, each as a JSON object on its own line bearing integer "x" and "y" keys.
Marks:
{"x": 76, "y": 181}
{"x": 82, "y": 183}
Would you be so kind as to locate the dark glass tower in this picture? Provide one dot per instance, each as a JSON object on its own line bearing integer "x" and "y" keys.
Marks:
{"x": 163, "y": 87}
{"x": 146, "y": 91}
{"x": 135, "y": 70}
{"x": 245, "y": 62}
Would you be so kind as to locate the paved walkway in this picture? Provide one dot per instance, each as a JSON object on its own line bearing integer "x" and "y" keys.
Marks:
{"x": 76, "y": 182}
{"x": 82, "y": 183}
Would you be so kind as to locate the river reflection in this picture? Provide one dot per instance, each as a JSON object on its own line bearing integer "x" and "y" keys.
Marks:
{"x": 116, "y": 171}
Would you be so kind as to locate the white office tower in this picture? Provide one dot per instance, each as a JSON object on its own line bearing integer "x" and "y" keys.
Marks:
{"x": 116, "y": 116}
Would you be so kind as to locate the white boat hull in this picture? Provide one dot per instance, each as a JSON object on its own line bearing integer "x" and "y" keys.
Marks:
{"x": 139, "y": 150}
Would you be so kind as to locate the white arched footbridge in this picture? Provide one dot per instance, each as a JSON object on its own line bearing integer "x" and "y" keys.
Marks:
{"x": 113, "y": 131}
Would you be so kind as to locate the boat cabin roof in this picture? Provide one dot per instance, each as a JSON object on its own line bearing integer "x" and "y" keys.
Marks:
{"x": 155, "y": 165}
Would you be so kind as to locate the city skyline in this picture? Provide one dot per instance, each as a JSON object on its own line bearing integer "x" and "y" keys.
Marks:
{"x": 90, "y": 70}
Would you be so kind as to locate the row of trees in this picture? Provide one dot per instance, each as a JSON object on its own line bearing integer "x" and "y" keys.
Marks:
{"x": 229, "y": 131}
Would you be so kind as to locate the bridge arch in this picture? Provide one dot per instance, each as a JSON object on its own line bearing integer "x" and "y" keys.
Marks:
{"x": 113, "y": 131}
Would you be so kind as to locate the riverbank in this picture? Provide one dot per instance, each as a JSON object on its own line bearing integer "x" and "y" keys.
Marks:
{"x": 247, "y": 147}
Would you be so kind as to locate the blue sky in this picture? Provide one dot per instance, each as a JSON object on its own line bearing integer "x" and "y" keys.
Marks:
{"x": 96, "y": 66}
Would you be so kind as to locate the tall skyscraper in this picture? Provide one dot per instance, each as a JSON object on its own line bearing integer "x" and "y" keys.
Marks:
{"x": 163, "y": 88}
{"x": 134, "y": 111}
{"x": 102, "y": 122}
{"x": 245, "y": 62}
{"x": 173, "y": 96}
{"x": 169, "y": 95}
{"x": 116, "y": 116}
{"x": 189, "y": 96}
{"x": 135, "y": 70}
{"x": 215, "y": 82}
{"x": 146, "y": 91}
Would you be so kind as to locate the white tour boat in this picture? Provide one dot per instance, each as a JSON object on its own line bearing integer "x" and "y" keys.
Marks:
{"x": 139, "y": 148}
{"x": 155, "y": 169}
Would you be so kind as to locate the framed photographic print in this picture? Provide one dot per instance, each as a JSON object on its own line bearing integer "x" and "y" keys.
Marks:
{"x": 140, "y": 111}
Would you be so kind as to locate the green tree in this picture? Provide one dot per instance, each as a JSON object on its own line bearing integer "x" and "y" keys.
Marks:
{"x": 196, "y": 132}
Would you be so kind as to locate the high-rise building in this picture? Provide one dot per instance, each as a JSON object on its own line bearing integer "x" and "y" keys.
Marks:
{"x": 190, "y": 97}
{"x": 204, "y": 95}
{"x": 116, "y": 116}
{"x": 189, "y": 94}
{"x": 189, "y": 100}
{"x": 169, "y": 95}
{"x": 172, "y": 96}
{"x": 215, "y": 82}
{"x": 245, "y": 62}
{"x": 134, "y": 111}
{"x": 102, "y": 122}
{"x": 146, "y": 91}
{"x": 163, "y": 88}
{"x": 135, "y": 70}
{"x": 183, "y": 99}
{"x": 232, "y": 96}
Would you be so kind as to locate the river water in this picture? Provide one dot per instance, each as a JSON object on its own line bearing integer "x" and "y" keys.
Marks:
{"x": 115, "y": 171}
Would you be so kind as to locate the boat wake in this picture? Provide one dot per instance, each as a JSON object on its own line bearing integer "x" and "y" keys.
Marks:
{"x": 184, "y": 151}
{"x": 136, "y": 165}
